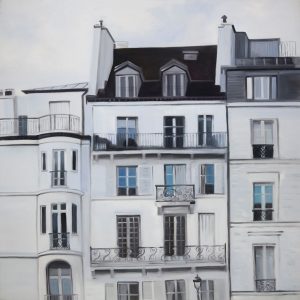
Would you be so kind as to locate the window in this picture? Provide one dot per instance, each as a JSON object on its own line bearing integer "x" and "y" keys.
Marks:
{"x": 58, "y": 173}
{"x": 174, "y": 85}
{"x": 44, "y": 161}
{"x": 126, "y": 132}
{"x": 127, "y": 181}
{"x": 128, "y": 229}
{"x": 205, "y": 126}
{"x": 59, "y": 236}
{"x": 207, "y": 179}
{"x": 74, "y": 160}
{"x": 264, "y": 268}
{"x": 262, "y": 201}
{"x": 173, "y": 132}
{"x": 262, "y": 87}
{"x": 23, "y": 125}
{"x": 74, "y": 218}
{"x": 43, "y": 219}
{"x": 126, "y": 86}
{"x": 175, "y": 174}
{"x": 206, "y": 229}
{"x": 128, "y": 291}
{"x": 175, "y": 289}
{"x": 175, "y": 236}
{"x": 262, "y": 138}
{"x": 207, "y": 290}
{"x": 59, "y": 281}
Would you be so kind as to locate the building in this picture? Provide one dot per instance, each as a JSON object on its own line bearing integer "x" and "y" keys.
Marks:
{"x": 44, "y": 182}
{"x": 158, "y": 173}
{"x": 261, "y": 79}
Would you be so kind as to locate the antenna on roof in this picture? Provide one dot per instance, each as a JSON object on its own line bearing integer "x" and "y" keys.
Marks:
{"x": 224, "y": 18}
{"x": 100, "y": 25}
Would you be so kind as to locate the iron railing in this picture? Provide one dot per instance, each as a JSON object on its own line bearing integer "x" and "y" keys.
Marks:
{"x": 132, "y": 141}
{"x": 61, "y": 297}
{"x": 267, "y": 61}
{"x": 58, "y": 178}
{"x": 24, "y": 126}
{"x": 262, "y": 214}
{"x": 263, "y": 151}
{"x": 178, "y": 192}
{"x": 265, "y": 285}
{"x": 59, "y": 241}
{"x": 201, "y": 254}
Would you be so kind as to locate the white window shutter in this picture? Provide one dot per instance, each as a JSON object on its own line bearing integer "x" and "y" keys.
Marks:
{"x": 219, "y": 178}
{"x": 159, "y": 290}
{"x": 111, "y": 291}
{"x": 145, "y": 182}
{"x": 148, "y": 290}
{"x": 201, "y": 179}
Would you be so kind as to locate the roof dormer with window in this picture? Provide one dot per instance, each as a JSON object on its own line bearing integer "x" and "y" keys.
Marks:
{"x": 174, "y": 79}
{"x": 128, "y": 80}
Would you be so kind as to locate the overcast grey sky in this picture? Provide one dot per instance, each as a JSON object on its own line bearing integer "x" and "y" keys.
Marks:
{"x": 48, "y": 42}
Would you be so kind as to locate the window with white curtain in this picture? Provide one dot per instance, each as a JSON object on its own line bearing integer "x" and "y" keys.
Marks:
{"x": 126, "y": 86}
{"x": 175, "y": 174}
{"x": 262, "y": 132}
{"x": 261, "y": 87}
{"x": 175, "y": 289}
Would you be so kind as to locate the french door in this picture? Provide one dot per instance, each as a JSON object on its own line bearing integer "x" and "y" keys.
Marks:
{"x": 174, "y": 132}
{"x": 59, "y": 226}
{"x": 59, "y": 174}
{"x": 205, "y": 127}
{"x": 127, "y": 132}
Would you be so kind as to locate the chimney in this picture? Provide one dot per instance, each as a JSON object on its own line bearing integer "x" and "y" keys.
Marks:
{"x": 225, "y": 51}
{"x": 102, "y": 58}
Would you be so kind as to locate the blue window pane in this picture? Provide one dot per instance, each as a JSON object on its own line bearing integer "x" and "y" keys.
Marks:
{"x": 122, "y": 181}
{"x": 257, "y": 199}
{"x": 209, "y": 172}
{"x": 257, "y": 189}
{"x": 132, "y": 171}
{"x": 169, "y": 169}
{"x": 132, "y": 182}
{"x": 269, "y": 198}
{"x": 122, "y": 171}
{"x": 268, "y": 189}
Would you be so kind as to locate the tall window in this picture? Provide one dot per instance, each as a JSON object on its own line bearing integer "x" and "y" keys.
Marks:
{"x": 59, "y": 236}
{"x": 205, "y": 136}
{"x": 128, "y": 228}
{"x": 128, "y": 291}
{"x": 207, "y": 179}
{"x": 43, "y": 219}
{"x": 175, "y": 289}
{"x": 261, "y": 87}
{"x": 126, "y": 132}
{"x": 74, "y": 218}
{"x": 127, "y": 185}
{"x": 175, "y": 174}
{"x": 44, "y": 161}
{"x": 262, "y": 201}
{"x": 126, "y": 86}
{"x": 175, "y": 236}
{"x": 58, "y": 173}
{"x": 174, "y": 84}
{"x": 173, "y": 132}
{"x": 59, "y": 281}
{"x": 207, "y": 290}
{"x": 74, "y": 160}
{"x": 262, "y": 138}
{"x": 264, "y": 268}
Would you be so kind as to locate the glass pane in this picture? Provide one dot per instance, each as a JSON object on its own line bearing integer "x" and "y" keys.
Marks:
{"x": 132, "y": 182}
{"x": 123, "y": 288}
{"x": 66, "y": 286}
{"x": 122, "y": 171}
{"x": 209, "y": 170}
{"x": 53, "y": 271}
{"x": 259, "y": 262}
{"x": 257, "y": 138}
{"x": 54, "y": 223}
{"x": 274, "y": 87}
{"x": 249, "y": 88}
{"x": 170, "y": 286}
{"x": 132, "y": 171}
{"x": 134, "y": 288}
{"x": 132, "y": 123}
{"x": 269, "y": 132}
{"x": 53, "y": 286}
{"x": 63, "y": 222}
{"x": 63, "y": 206}
{"x": 270, "y": 262}
{"x": 181, "y": 286}
{"x": 122, "y": 182}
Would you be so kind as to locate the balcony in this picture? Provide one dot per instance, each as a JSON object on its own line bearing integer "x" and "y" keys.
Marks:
{"x": 61, "y": 297}
{"x": 262, "y": 214}
{"x": 158, "y": 255}
{"x": 263, "y": 151}
{"x": 58, "y": 178}
{"x": 138, "y": 141}
{"x": 265, "y": 285}
{"x": 24, "y": 126}
{"x": 175, "y": 193}
{"x": 59, "y": 241}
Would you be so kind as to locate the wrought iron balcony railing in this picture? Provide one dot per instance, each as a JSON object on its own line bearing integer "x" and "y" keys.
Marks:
{"x": 263, "y": 151}
{"x": 265, "y": 285}
{"x": 182, "y": 192}
{"x": 144, "y": 255}
{"x": 61, "y": 297}
{"x": 262, "y": 214}
{"x": 59, "y": 241}
{"x": 134, "y": 141}
{"x": 58, "y": 178}
{"x": 24, "y": 126}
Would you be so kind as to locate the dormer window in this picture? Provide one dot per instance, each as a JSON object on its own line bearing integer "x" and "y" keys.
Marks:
{"x": 128, "y": 78}
{"x": 126, "y": 86}
{"x": 174, "y": 79}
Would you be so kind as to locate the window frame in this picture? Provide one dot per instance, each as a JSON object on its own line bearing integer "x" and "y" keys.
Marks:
{"x": 203, "y": 179}
{"x": 43, "y": 219}
{"x": 44, "y": 161}
{"x": 128, "y": 295}
{"x": 74, "y": 213}
{"x": 176, "y": 292}
{"x": 127, "y": 177}
{"x": 127, "y": 89}
{"x": 263, "y": 201}
{"x": 74, "y": 151}
{"x": 250, "y": 84}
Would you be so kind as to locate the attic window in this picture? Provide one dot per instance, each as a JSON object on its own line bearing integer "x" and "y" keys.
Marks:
{"x": 126, "y": 86}
{"x": 190, "y": 55}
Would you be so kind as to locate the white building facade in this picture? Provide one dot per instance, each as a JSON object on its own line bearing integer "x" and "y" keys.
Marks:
{"x": 262, "y": 87}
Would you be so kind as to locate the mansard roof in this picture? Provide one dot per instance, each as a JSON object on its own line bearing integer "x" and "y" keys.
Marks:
{"x": 151, "y": 61}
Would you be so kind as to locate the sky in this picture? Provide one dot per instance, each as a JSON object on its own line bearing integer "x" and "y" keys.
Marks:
{"x": 48, "y": 42}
